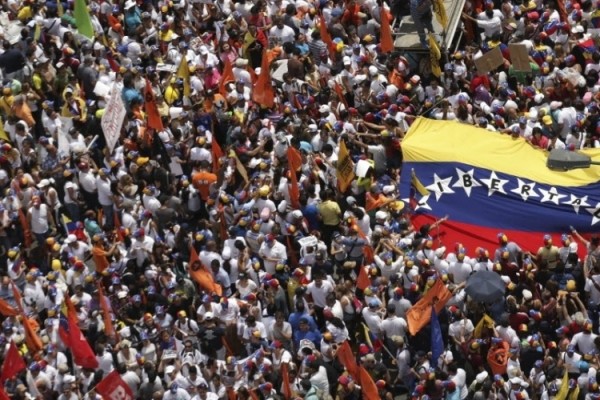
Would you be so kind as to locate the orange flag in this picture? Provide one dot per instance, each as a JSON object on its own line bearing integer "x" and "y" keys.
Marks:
{"x": 201, "y": 275}
{"x": 294, "y": 163}
{"x": 285, "y": 378}
{"x": 363, "y": 281}
{"x": 109, "y": 329}
{"x": 369, "y": 390}
{"x": 263, "y": 93}
{"x": 419, "y": 315}
{"x": 346, "y": 357}
{"x": 368, "y": 250}
{"x": 18, "y": 298}
{"x": 253, "y": 76}
{"x": 27, "y": 236}
{"x": 231, "y": 395}
{"x": 32, "y": 339}
{"x": 217, "y": 154}
{"x": 340, "y": 93}
{"x": 7, "y": 310}
{"x": 154, "y": 119}
{"x": 253, "y": 394}
{"x": 115, "y": 24}
{"x": 498, "y": 358}
{"x": 226, "y": 78}
{"x": 325, "y": 36}
{"x": 387, "y": 40}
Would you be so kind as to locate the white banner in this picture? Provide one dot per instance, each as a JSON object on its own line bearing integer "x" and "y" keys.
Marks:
{"x": 112, "y": 120}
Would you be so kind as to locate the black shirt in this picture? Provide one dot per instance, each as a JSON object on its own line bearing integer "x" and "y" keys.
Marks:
{"x": 12, "y": 61}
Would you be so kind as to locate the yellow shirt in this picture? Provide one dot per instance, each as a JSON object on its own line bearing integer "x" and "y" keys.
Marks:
{"x": 330, "y": 213}
{"x": 171, "y": 95}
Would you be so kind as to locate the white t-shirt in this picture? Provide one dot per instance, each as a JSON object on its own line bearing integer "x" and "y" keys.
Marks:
{"x": 319, "y": 294}
{"x": 277, "y": 251}
{"x": 104, "y": 193}
{"x": 460, "y": 379}
{"x": 584, "y": 341}
{"x": 284, "y": 35}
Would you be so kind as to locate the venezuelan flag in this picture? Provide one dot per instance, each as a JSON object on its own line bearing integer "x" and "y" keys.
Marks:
{"x": 489, "y": 183}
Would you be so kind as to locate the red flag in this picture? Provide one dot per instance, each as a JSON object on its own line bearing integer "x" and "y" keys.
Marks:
{"x": 369, "y": 390}
{"x": 263, "y": 93}
{"x": 387, "y": 40}
{"x": 109, "y": 329}
{"x": 285, "y": 377}
{"x": 226, "y": 78}
{"x": 217, "y": 154}
{"x": 13, "y": 363}
{"x": 200, "y": 274}
{"x": 7, "y": 310}
{"x": 114, "y": 387}
{"x": 154, "y": 119}
{"x": 325, "y": 36}
{"x": 114, "y": 66}
{"x": 83, "y": 355}
{"x": 347, "y": 359}
{"x": 3, "y": 395}
{"x": 294, "y": 163}
{"x": 27, "y": 236}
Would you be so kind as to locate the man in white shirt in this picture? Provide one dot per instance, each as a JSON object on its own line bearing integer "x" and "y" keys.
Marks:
{"x": 105, "y": 197}
{"x": 461, "y": 329}
{"x": 584, "y": 340}
{"x": 272, "y": 253}
{"x": 141, "y": 248}
{"x": 281, "y": 32}
{"x": 393, "y": 325}
{"x": 372, "y": 317}
{"x": 319, "y": 288}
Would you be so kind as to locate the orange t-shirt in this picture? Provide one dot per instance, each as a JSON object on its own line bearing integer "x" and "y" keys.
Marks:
{"x": 99, "y": 255}
{"x": 202, "y": 181}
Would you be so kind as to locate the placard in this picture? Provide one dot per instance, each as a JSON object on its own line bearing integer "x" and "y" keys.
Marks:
{"x": 519, "y": 57}
{"x": 489, "y": 61}
{"x": 112, "y": 120}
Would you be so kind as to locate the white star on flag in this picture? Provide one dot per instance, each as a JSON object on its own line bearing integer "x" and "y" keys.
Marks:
{"x": 525, "y": 190}
{"x": 551, "y": 196}
{"x": 595, "y": 213}
{"x": 440, "y": 186}
{"x": 494, "y": 184}
{"x": 466, "y": 181}
{"x": 577, "y": 202}
{"x": 422, "y": 203}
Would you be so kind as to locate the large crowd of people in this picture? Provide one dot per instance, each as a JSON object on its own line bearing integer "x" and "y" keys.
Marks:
{"x": 211, "y": 247}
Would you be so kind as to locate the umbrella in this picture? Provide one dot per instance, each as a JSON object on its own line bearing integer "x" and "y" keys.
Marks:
{"x": 485, "y": 286}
